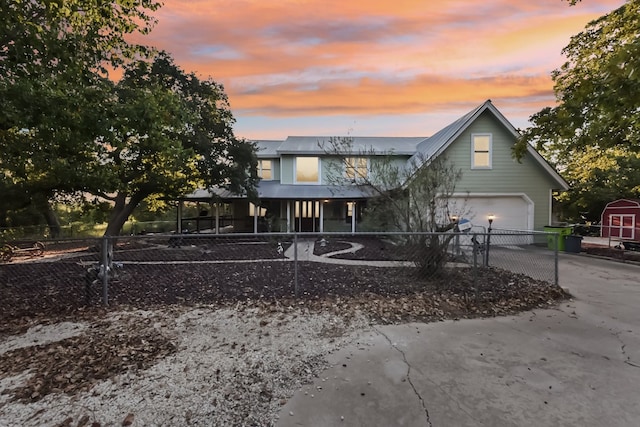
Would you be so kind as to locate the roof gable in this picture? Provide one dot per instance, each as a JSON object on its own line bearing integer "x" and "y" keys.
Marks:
{"x": 438, "y": 143}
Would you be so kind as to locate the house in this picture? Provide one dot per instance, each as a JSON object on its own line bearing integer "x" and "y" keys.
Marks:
{"x": 621, "y": 219}
{"x": 296, "y": 193}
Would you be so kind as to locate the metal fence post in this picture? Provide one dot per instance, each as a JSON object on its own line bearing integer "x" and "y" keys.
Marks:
{"x": 295, "y": 263}
{"x": 104, "y": 269}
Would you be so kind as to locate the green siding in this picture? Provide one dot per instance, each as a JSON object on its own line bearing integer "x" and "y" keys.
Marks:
{"x": 275, "y": 165}
{"x": 286, "y": 170}
{"x": 506, "y": 174}
{"x": 330, "y": 166}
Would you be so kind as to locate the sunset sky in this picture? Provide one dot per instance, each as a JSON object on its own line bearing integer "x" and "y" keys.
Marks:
{"x": 376, "y": 67}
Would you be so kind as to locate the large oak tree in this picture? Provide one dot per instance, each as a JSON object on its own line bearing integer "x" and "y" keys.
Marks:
{"x": 169, "y": 132}
{"x": 593, "y": 134}
{"x": 66, "y": 128}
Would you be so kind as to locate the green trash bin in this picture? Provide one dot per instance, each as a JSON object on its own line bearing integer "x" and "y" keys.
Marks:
{"x": 562, "y": 231}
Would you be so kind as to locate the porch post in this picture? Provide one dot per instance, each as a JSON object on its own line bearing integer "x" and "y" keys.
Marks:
{"x": 255, "y": 218}
{"x": 321, "y": 216}
{"x": 217, "y": 217}
{"x": 198, "y": 218}
{"x": 353, "y": 217}
{"x": 288, "y": 216}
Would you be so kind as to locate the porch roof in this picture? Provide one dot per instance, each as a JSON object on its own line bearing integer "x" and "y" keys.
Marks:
{"x": 276, "y": 190}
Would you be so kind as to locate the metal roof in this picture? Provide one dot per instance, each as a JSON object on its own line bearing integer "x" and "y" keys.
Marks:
{"x": 318, "y": 145}
{"x": 441, "y": 139}
{"x": 276, "y": 190}
{"x": 267, "y": 148}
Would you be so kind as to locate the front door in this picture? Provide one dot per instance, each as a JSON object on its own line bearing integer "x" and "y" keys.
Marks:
{"x": 307, "y": 215}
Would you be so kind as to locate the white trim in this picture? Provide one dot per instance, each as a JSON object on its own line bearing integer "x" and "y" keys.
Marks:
{"x": 217, "y": 217}
{"x": 527, "y": 199}
{"x": 473, "y": 150}
{"x": 295, "y": 171}
{"x": 621, "y": 228}
{"x": 550, "y": 207}
{"x": 353, "y": 216}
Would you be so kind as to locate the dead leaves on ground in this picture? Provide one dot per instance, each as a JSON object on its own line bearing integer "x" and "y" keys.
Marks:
{"x": 77, "y": 363}
{"x": 112, "y": 347}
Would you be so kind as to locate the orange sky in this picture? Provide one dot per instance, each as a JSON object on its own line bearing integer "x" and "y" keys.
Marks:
{"x": 402, "y": 67}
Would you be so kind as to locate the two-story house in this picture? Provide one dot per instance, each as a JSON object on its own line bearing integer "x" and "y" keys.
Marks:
{"x": 297, "y": 192}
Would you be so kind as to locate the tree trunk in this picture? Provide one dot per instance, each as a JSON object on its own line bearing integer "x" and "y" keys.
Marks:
{"x": 43, "y": 205}
{"x": 3, "y": 218}
{"x": 121, "y": 212}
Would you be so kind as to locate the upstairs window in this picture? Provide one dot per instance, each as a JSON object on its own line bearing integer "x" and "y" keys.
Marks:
{"x": 307, "y": 170}
{"x": 481, "y": 153}
{"x": 265, "y": 169}
{"x": 356, "y": 168}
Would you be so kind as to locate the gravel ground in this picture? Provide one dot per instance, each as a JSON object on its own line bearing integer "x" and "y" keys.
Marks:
{"x": 230, "y": 366}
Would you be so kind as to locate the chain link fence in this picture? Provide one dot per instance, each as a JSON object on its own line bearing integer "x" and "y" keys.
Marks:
{"x": 70, "y": 274}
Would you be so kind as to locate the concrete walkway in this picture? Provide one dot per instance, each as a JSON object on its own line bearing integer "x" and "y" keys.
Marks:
{"x": 305, "y": 253}
{"x": 577, "y": 365}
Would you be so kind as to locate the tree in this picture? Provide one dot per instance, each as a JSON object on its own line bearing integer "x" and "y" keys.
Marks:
{"x": 597, "y": 110}
{"x": 66, "y": 128}
{"x": 410, "y": 197}
{"x": 54, "y": 57}
{"x": 54, "y": 36}
{"x": 597, "y": 177}
{"x": 168, "y": 133}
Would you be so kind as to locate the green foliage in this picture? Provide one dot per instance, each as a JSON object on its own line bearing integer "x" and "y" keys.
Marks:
{"x": 65, "y": 128}
{"x": 54, "y": 56}
{"x": 169, "y": 133}
{"x": 593, "y": 134}
{"x": 412, "y": 196}
{"x": 54, "y": 36}
{"x": 598, "y": 177}
{"x": 406, "y": 195}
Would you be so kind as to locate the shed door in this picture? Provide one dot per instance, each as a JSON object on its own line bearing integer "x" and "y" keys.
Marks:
{"x": 622, "y": 226}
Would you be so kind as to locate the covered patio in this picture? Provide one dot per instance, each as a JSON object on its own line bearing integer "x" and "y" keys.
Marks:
{"x": 281, "y": 208}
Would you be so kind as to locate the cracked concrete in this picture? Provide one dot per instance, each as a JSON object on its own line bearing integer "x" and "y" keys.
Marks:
{"x": 623, "y": 347}
{"x": 408, "y": 376}
{"x": 573, "y": 365}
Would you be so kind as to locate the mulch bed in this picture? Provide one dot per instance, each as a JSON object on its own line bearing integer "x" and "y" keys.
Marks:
{"x": 32, "y": 293}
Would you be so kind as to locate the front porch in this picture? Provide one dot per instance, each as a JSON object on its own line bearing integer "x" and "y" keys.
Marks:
{"x": 240, "y": 215}
{"x": 281, "y": 208}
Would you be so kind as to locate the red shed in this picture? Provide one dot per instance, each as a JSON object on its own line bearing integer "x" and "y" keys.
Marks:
{"x": 621, "y": 219}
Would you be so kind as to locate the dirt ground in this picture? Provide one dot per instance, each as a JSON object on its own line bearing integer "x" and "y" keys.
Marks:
{"x": 222, "y": 343}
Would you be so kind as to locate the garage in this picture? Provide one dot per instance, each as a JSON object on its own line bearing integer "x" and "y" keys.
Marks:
{"x": 510, "y": 212}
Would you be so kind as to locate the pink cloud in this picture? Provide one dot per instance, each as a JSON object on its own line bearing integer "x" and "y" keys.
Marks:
{"x": 294, "y": 58}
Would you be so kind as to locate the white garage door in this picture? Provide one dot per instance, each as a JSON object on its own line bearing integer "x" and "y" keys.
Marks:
{"x": 510, "y": 212}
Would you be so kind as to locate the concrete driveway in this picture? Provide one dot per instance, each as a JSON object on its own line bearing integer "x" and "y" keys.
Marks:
{"x": 577, "y": 365}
